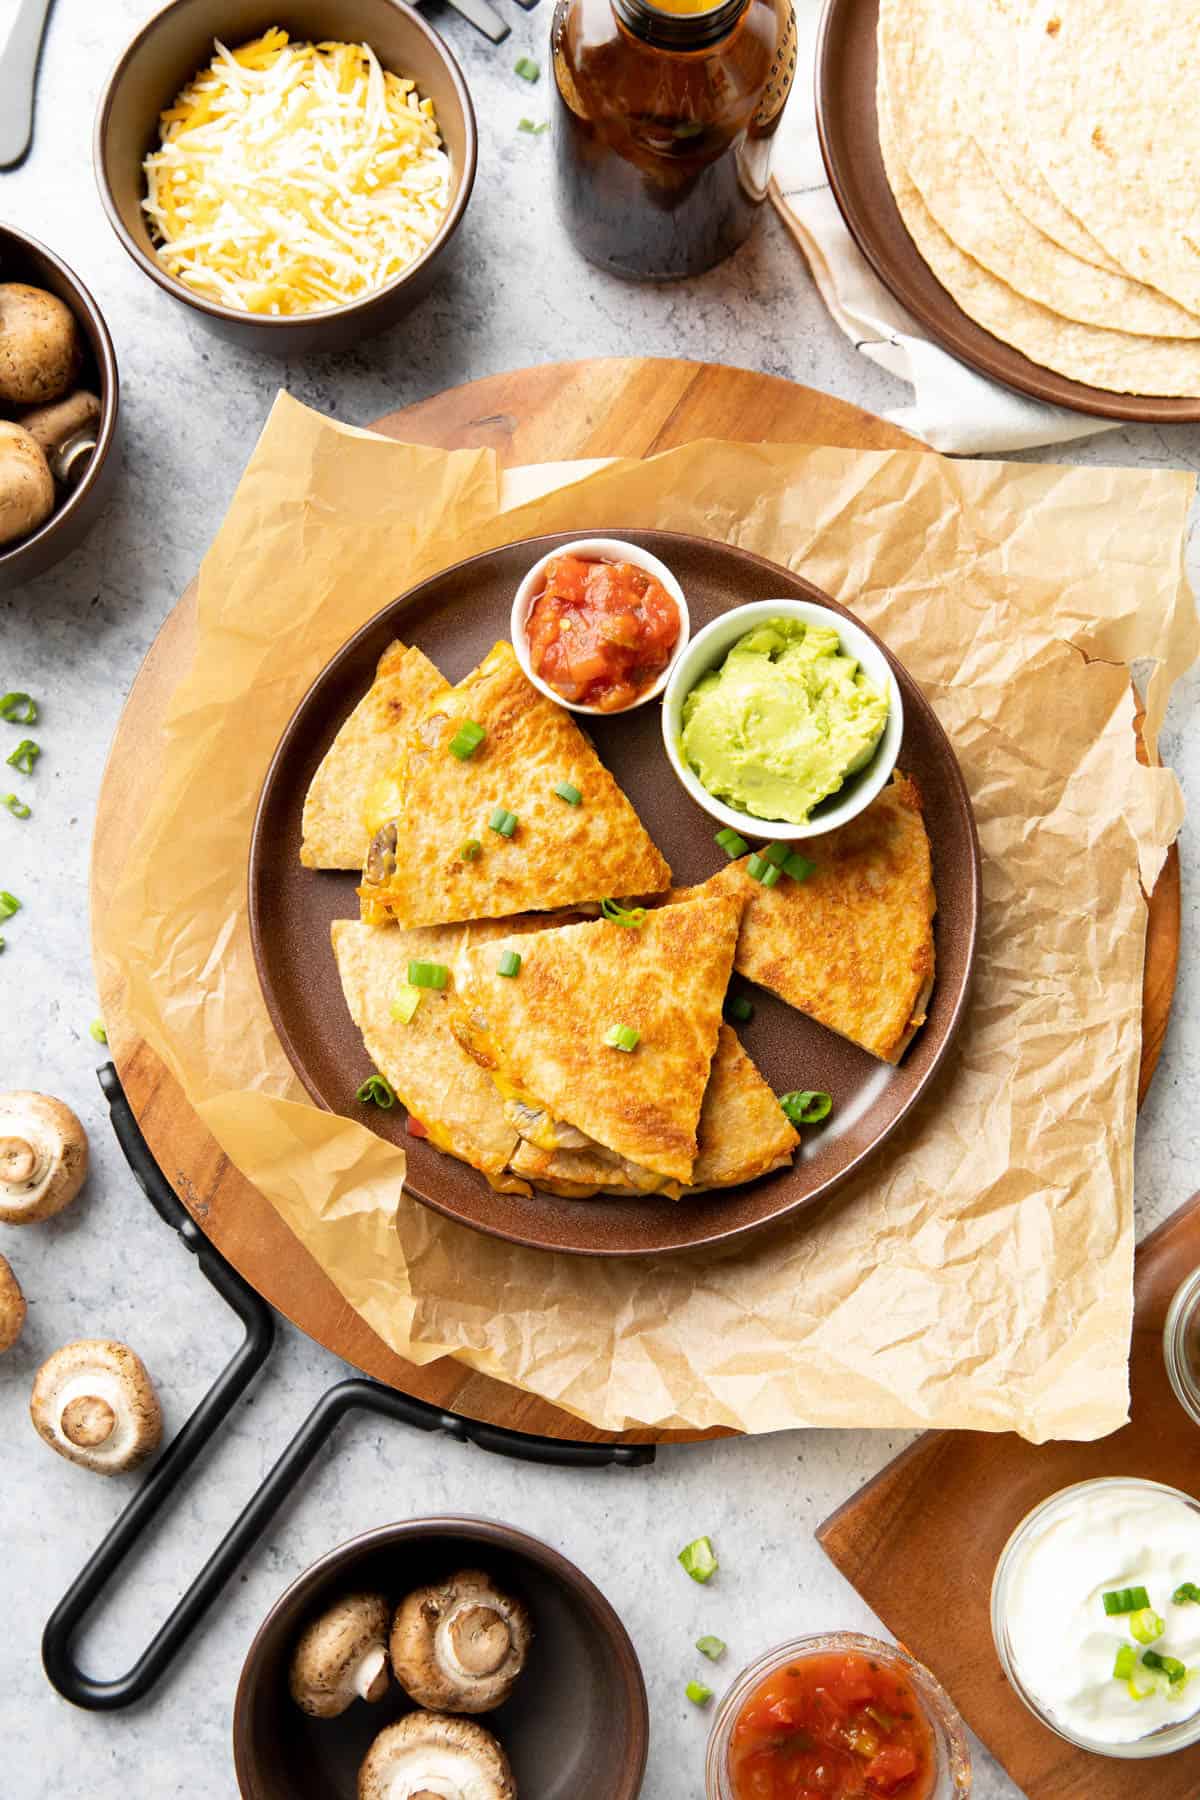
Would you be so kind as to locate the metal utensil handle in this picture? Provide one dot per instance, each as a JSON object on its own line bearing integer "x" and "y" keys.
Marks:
{"x": 166, "y": 1475}
{"x": 18, "y": 79}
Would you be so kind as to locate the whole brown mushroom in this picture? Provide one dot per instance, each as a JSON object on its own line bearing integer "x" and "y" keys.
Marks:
{"x": 427, "y": 1756}
{"x": 66, "y": 432}
{"x": 43, "y": 1157}
{"x": 40, "y": 351}
{"x": 459, "y": 1645}
{"x": 27, "y": 492}
{"x": 342, "y": 1656}
{"x": 12, "y": 1306}
{"x": 95, "y": 1404}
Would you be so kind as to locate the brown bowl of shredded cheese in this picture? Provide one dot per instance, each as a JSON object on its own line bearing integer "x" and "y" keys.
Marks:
{"x": 294, "y": 182}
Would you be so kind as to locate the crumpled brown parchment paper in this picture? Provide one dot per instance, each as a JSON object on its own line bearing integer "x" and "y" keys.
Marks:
{"x": 978, "y": 1274}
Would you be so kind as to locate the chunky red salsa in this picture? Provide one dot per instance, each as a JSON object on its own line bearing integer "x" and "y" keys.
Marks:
{"x": 601, "y": 633}
{"x": 834, "y": 1726}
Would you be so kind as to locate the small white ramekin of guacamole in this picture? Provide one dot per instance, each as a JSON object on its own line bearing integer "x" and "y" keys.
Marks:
{"x": 782, "y": 722}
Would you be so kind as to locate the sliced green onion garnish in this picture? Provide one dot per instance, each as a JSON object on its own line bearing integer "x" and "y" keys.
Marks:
{"x": 526, "y": 68}
{"x": 1144, "y": 1682}
{"x": 566, "y": 790}
{"x": 96, "y": 1030}
{"x": 1125, "y": 1663}
{"x": 527, "y": 125}
{"x": 807, "y": 1106}
{"x": 16, "y": 806}
{"x": 731, "y": 843}
{"x": 377, "y": 1090}
{"x": 622, "y": 1037}
{"x": 1187, "y": 1593}
{"x": 503, "y": 821}
{"x": 404, "y": 1007}
{"x": 699, "y": 1559}
{"x": 24, "y": 756}
{"x": 1125, "y": 1600}
{"x": 697, "y": 1693}
{"x": 1170, "y": 1666}
{"x": 19, "y": 708}
{"x": 470, "y": 850}
{"x": 9, "y": 904}
{"x": 633, "y": 917}
{"x": 759, "y": 869}
{"x": 467, "y": 740}
{"x": 1146, "y": 1626}
{"x": 1, "y": 944}
{"x": 777, "y": 853}
{"x": 798, "y": 867}
{"x": 509, "y": 963}
{"x": 738, "y": 1007}
{"x": 886, "y": 1721}
{"x": 428, "y": 974}
{"x": 712, "y": 1647}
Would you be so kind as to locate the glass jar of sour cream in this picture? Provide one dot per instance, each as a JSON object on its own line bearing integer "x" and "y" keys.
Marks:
{"x": 1098, "y": 1671}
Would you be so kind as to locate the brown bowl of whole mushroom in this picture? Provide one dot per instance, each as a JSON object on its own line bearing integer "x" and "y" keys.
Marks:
{"x": 454, "y": 1658}
{"x": 58, "y": 409}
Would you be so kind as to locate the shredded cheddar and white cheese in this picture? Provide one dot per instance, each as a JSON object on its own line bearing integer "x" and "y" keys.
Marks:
{"x": 295, "y": 176}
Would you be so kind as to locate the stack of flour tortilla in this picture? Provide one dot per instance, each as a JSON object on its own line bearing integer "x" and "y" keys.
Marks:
{"x": 1045, "y": 158}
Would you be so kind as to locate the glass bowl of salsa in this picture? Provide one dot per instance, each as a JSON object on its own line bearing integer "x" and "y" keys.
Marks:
{"x": 599, "y": 624}
{"x": 837, "y": 1717}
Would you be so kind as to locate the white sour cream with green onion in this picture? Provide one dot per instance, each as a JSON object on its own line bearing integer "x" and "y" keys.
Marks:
{"x": 1064, "y": 1646}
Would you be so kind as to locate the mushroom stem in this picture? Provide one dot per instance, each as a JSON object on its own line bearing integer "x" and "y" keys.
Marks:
{"x": 18, "y": 1159}
{"x": 480, "y": 1639}
{"x": 372, "y": 1677}
{"x": 88, "y": 1421}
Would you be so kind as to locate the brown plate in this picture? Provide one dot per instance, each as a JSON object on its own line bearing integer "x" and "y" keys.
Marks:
{"x": 577, "y": 1723}
{"x": 845, "y": 96}
{"x": 455, "y": 618}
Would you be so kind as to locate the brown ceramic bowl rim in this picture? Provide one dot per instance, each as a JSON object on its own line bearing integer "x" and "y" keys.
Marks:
{"x": 281, "y": 323}
{"x": 482, "y": 1531}
{"x": 84, "y": 307}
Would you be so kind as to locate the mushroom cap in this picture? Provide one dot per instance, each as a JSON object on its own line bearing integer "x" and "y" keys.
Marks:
{"x": 95, "y": 1404}
{"x": 65, "y": 431}
{"x": 43, "y": 1157}
{"x": 428, "y": 1754}
{"x": 342, "y": 1656}
{"x": 40, "y": 349}
{"x": 12, "y": 1306}
{"x": 458, "y": 1645}
{"x": 27, "y": 491}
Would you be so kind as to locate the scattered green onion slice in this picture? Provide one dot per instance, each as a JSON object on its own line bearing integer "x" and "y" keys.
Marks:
{"x": 806, "y": 1106}
{"x": 503, "y": 821}
{"x": 96, "y": 1030}
{"x": 9, "y": 904}
{"x": 759, "y": 869}
{"x": 1186, "y": 1593}
{"x": 798, "y": 867}
{"x": 622, "y": 1037}
{"x": 632, "y": 917}
{"x": 566, "y": 790}
{"x": 1146, "y": 1626}
{"x": 467, "y": 740}
{"x": 1145, "y": 1682}
{"x": 1125, "y": 1600}
{"x": 16, "y": 806}
{"x": 1, "y": 944}
{"x": 377, "y": 1090}
{"x": 738, "y": 1007}
{"x": 1125, "y": 1663}
{"x": 527, "y": 125}
{"x": 19, "y": 708}
{"x": 428, "y": 974}
{"x": 24, "y": 756}
{"x": 699, "y": 1559}
{"x": 712, "y": 1647}
{"x": 470, "y": 850}
{"x": 526, "y": 68}
{"x": 404, "y": 1007}
{"x": 697, "y": 1693}
{"x": 776, "y": 853}
{"x": 731, "y": 843}
{"x": 1170, "y": 1666}
{"x": 509, "y": 963}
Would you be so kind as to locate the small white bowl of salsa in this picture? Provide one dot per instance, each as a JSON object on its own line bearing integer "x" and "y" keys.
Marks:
{"x": 599, "y": 624}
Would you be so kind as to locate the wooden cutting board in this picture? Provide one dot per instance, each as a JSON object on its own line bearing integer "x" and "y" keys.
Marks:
{"x": 921, "y": 1542}
{"x": 631, "y": 406}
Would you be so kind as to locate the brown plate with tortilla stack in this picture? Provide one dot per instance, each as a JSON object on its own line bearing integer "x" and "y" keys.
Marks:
{"x": 859, "y": 952}
{"x": 993, "y": 158}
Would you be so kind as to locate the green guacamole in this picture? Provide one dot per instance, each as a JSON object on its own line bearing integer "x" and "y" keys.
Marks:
{"x": 783, "y": 721}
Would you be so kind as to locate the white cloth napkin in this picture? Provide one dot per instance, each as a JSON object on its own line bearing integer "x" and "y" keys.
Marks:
{"x": 953, "y": 409}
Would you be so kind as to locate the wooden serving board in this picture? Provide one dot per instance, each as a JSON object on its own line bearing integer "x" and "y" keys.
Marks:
{"x": 921, "y": 1542}
{"x": 607, "y": 407}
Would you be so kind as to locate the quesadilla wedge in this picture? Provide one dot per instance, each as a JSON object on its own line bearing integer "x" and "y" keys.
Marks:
{"x": 851, "y": 946}
{"x": 335, "y": 835}
{"x": 742, "y": 1134}
{"x": 485, "y": 834}
{"x": 544, "y": 1033}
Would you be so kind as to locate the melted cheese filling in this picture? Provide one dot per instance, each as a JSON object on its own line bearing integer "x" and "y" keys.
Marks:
{"x": 293, "y": 177}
